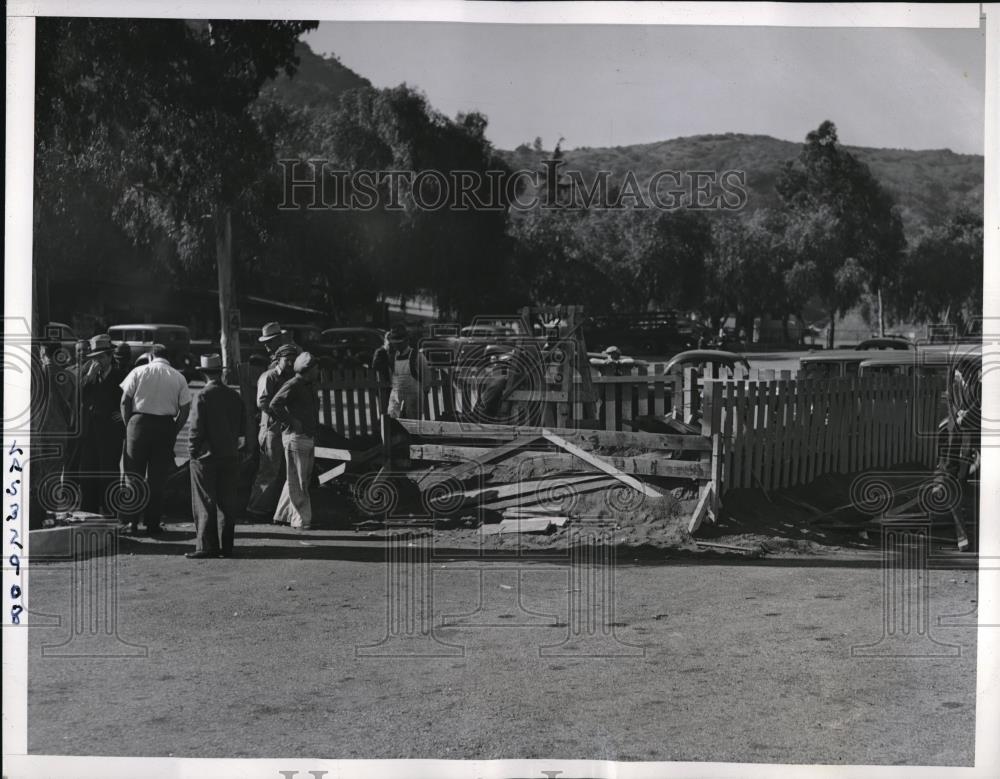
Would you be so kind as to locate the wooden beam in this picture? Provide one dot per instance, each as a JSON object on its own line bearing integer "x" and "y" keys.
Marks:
{"x": 471, "y": 465}
{"x": 524, "y": 488}
{"x": 598, "y": 463}
{"x": 702, "y": 510}
{"x": 329, "y": 453}
{"x": 555, "y": 462}
{"x": 333, "y": 473}
{"x": 539, "y": 498}
{"x": 623, "y": 440}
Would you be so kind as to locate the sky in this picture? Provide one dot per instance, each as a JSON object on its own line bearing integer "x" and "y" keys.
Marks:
{"x": 619, "y": 85}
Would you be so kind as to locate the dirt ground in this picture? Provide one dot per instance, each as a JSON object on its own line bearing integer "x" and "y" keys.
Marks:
{"x": 305, "y": 645}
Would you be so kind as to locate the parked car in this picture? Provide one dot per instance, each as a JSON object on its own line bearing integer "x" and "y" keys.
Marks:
{"x": 470, "y": 346}
{"x": 140, "y": 337}
{"x": 654, "y": 332}
{"x": 353, "y": 346}
{"x": 706, "y": 357}
{"x": 886, "y": 342}
{"x": 837, "y": 363}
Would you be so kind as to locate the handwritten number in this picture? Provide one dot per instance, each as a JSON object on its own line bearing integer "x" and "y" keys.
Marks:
{"x": 15, "y": 591}
{"x": 14, "y": 448}
{"x": 15, "y": 563}
{"x": 15, "y": 614}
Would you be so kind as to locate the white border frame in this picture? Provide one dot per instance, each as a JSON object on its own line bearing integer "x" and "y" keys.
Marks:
{"x": 18, "y": 244}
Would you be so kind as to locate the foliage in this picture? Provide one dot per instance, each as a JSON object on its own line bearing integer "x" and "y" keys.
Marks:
{"x": 941, "y": 280}
{"x": 843, "y": 231}
{"x": 151, "y": 117}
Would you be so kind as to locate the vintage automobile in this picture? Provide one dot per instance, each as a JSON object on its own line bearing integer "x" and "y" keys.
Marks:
{"x": 837, "y": 363}
{"x": 707, "y": 358}
{"x": 886, "y": 342}
{"x": 353, "y": 346}
{"x": 140, "y": 337}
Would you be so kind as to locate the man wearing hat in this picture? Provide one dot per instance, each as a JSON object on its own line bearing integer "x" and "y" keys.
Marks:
{"x": 154, "y": 406}
{"x": 401, "y": 369}
{"x": 296, "y": 406}
{"x": 273, "y": 337}
{"x": 271, "y": 468}
{"x": 216, "y": 430}
{"x": 102, "y": 431}
{"x": 50, "y": 423}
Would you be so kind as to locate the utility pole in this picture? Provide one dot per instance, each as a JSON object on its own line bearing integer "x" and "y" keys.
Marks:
{"x": 228, "y": 314}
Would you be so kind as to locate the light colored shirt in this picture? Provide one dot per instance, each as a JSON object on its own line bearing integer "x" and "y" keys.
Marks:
{"x": 156, "y": 388}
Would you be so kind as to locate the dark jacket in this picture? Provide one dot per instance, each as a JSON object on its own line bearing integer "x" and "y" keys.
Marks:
{"x": 217, "y": 421}
{"x": 297, "y": 400}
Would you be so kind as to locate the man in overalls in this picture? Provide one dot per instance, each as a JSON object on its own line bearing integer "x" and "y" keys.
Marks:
{"x": 401, "y": 368}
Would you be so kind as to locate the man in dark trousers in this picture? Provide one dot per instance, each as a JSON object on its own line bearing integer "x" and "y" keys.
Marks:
{"x": 271, "y": 468}
{"x": 216, "y": 430}
{"x": 103, "y": 431}
{"x": 155, "y": 405}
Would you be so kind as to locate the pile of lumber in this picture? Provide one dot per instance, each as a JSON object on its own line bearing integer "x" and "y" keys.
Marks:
{"x": 531, "y": 479}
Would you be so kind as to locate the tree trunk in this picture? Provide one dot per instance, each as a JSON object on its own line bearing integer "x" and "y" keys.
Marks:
{"x": 228, "y": 318}
{"x": 881, "y": 315}
{"x": 830, "y": 331}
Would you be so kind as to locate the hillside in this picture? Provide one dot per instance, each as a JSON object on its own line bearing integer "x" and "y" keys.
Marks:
{"x": 318, "y": 81}
{"x": 928, "y": 185}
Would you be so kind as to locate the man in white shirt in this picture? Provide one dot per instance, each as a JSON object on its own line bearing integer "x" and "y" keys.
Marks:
{"x": 154, "y": 406}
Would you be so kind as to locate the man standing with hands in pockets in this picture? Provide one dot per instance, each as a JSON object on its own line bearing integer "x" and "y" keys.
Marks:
{"x": 271, "y": 470}
{"x": 216, "y": 433}
{"x": 296, "y": 406}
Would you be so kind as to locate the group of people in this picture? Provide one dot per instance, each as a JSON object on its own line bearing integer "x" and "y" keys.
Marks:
{"x": 80, "y": 432}
{"x": 289, "y": 418}
{"x": 126, "y": 421}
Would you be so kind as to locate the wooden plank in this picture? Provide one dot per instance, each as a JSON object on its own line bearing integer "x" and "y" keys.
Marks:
{"x": 352, "y": 425}
{"x": 330, "y": 453}
{"x": 809, "y": 439}
{"x": 794, "y": 427}
{"x": 737, "y": 479}
{"x": 613, "y": 415}
{"x": 659, "y": 392}
{"x": 338, "y": 408}
{"x": 524, "y": 525}
{"x": 634, "y": 381}
{"x": 326, "y": 405}
{"x": 555, "y": 462}
{"x": 462, "y": 470}
{"x": 728, "y": 408}
{"x": 770, "y": 433}
{"x": 598, "y": 463}
{"x": 714, "y": 393}
{"x": 749, "y": 433}
{"x": 545, "y": 497}
{"x": 518, "y": 489}
{"x": 760, "y": 433}
{"x": 783, "y": 433}
{"x": 332, "y": 474}
{"x": 437, "y": 429}
{"x": 626, "y": 401}
{"x": 701, "y": 511}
